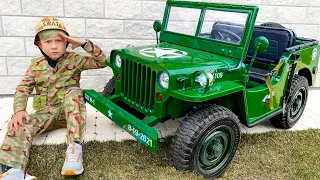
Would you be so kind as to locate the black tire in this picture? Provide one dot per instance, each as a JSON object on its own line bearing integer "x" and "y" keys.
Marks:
{"x": 110, "y": 88}
{"x": 272, "y": 24}
{"x": 295, "y": 104}
{"x": 216, "y": 126}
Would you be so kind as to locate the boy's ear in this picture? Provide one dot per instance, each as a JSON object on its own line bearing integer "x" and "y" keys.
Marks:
{"x": 39, "y": 44}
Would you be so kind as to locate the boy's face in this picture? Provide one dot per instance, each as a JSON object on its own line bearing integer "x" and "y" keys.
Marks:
{"x": 54, "y": 46}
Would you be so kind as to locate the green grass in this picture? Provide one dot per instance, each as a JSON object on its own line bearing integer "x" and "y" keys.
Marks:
{"x": 274, "y": 155}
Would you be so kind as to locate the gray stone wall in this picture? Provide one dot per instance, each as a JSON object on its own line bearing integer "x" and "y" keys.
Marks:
{"x": 114, "y": 24}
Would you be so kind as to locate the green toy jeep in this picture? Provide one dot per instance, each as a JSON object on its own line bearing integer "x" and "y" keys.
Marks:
{"x": 214, "y": 67}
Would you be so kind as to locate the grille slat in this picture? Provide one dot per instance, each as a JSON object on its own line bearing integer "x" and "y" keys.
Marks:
{"x": 146, "y": 90}
{"x": 137, "y": 77}
{"x": 134, "y": 68}
{"x": 141, "y": 85}
{"x": 138, "y": 84}
{"x": 124, "y": 70}
{"x": 151, "y": 90}
{"x": 128, "y": 82}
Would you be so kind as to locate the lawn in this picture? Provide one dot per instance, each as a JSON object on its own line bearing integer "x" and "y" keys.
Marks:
{"x": 273, "y": 155}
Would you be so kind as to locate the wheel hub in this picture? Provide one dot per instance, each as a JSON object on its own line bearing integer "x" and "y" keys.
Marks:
{"x": 298, "y": 101}
{"x": 214, "y": 150}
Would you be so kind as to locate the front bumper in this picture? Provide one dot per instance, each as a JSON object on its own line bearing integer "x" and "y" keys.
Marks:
{"x": 139, "y": 129}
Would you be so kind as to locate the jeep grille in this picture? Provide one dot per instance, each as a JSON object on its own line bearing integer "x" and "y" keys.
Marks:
{"x": 138, "y": 84}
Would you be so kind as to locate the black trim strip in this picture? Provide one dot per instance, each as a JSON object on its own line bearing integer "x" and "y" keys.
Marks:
{"x": 301, "y": 46}
{"x": 265, "y": 118}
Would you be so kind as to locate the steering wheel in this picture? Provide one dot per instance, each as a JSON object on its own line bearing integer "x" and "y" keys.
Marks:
{"x": 226, "y": 35}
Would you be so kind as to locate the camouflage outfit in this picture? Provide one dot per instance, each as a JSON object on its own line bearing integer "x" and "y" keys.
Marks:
{"x": 59, "y": 102}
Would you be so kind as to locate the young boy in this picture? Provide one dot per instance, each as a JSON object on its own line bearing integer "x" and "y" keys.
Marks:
{"x": 58, "y": 102}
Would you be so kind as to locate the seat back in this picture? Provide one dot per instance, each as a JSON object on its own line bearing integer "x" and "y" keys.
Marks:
{"x": 279, "y": 40}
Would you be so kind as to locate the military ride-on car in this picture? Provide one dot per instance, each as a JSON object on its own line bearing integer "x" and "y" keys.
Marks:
{"x": 213, "y": 66}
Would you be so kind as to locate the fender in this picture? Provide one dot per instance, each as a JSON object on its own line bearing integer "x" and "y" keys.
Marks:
{"x": 218, "y": 89}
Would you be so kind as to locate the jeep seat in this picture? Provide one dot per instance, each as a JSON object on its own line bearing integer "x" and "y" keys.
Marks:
{"x": 279, "y": 40}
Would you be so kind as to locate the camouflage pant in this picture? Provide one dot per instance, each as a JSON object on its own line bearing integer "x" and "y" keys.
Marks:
{"x": 71, "y": 113}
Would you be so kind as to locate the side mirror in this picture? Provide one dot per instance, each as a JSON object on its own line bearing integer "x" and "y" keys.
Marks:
{"x": 261, "y": 44}
{"x": 157, "y": 26}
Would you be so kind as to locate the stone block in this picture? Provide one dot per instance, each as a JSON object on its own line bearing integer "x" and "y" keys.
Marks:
{"x": 304, "y": 30}
{"x": 19, "y": 26}
{"x": 139, "y": 29}
{"x": 18, "y": 65}
{"x": 42, "y": 8}
{"x": 11, "y": 7}
{"x": 93, "y": 82}
{"x": 31, "y": 49}
{"x": 12, "y": 46}
{"x": 291, "y": 14}
{"x": 153, "y": 10}
{"x": 267, "y": 14}
{"x": 116, "y": 9}
{"x": 11, "y": 84}
{"x": 102, "y": 28}
{"x": 3, "y": 66}
{"x": 83, "y": 8}
{"x": 312, "y": 16}
{"x": 76, "y": 27}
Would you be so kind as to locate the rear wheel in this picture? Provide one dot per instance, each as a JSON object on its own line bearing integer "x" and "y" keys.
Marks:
{"x": 272, "y": 24}
{"x": 206, "y": 141}
{"x": 295, "y": 105}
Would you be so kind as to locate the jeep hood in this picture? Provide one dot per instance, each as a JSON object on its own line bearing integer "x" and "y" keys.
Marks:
{"x": 173, "y": 58}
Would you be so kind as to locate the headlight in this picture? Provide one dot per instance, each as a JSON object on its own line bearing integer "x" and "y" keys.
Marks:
{"x": 202, "y": 79}
{"x": 164, "y": 80}
{"x": 117, "y": 61}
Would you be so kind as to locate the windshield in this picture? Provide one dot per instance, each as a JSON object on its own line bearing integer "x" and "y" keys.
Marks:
{"x": 218, "y": 25}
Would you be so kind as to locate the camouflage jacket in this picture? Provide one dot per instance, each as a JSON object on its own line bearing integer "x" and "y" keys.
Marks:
{"x": 51, "y": 83}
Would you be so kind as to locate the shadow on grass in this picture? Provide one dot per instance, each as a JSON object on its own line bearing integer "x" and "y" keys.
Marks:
{"x": 273, "y": 155}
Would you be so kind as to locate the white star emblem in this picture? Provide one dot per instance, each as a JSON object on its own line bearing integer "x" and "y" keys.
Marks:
{"x": 109, "y": 114}
{"x": 162, "y": 52}
{"x": 314, "y": 53}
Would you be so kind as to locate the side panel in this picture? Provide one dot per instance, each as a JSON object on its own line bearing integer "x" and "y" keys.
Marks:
{"x": 257, "y": 98}
{"x": 309, "y": 60}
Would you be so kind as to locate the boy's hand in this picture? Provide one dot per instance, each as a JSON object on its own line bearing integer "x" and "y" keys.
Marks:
{"x": 76, "y": 42}
{"x": 16, "y": 120}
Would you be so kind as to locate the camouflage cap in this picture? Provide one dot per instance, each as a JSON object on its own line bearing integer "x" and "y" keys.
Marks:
{"x": 49, "y": 23}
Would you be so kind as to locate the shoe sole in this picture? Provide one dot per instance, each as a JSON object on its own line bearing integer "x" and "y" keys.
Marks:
{"x": 34, "y": 178}
{"x": 72, "y": 172}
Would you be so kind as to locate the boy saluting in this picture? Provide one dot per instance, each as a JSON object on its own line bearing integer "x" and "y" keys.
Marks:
{"x": 58, "y": 102}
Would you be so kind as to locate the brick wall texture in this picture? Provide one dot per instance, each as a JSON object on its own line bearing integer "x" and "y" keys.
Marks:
{"x": 114, "y": 24}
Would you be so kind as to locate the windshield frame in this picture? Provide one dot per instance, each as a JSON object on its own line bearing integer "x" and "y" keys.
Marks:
{"x": 225, "y": 48}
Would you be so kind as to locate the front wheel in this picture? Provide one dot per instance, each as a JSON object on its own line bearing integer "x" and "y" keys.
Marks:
{"x": 206, "y": 141}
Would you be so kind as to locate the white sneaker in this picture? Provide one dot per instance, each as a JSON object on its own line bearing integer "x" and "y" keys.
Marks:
{"x": 29, "y": 177}
{"x": 16, "y": 174}
{"x": 73, "y": 162}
